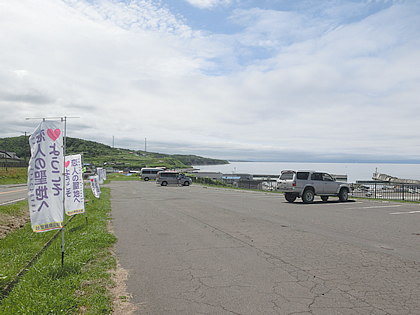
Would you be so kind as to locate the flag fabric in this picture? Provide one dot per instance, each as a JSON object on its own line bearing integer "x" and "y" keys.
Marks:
{"x": 94, "y": 184}
{"x": 45, "y": 177}
{"x": 100, "y": 173}
{"x": 75, "y": 197}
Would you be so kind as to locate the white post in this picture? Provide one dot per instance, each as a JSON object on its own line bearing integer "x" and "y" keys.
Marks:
{"x": 64, "y": 195}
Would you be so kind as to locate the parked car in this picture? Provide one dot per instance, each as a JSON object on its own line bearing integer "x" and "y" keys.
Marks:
{"x": 307, "y": 184}
{"x": 171, "y": 177}
{"x": 149, "y": 173}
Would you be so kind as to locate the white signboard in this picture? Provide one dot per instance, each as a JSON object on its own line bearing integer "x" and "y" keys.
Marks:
{"x": 45, "y": 179}
{"x": 100, "y": 172}
{"x": 75, "y": 196}
{"x": 94, "y": 184}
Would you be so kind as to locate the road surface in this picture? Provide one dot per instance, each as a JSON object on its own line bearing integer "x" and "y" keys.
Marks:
{"x": 12, "y": 193}
{"x": 196, "y": 250}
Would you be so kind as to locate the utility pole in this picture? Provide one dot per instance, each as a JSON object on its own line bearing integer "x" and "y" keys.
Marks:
{"x": 5, "y": 153}
{"x": 25, "y": 144}
{"x": 145, "y": 146}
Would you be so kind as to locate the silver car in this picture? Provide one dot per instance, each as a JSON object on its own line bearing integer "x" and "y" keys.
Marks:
{"x": 307, "y": 184}
{"x": 149, "y": 173}
{"x": 170, "y": 177}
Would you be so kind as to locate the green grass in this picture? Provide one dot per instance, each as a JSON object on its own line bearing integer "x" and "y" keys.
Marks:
{"x": 122, "y": 177}
{"x": 17, "y": 209}
{"x": 16, "y": 175}
{"x": 47, "y": 287}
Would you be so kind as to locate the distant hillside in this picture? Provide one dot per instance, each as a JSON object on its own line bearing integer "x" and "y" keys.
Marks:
{"x": 198, "y": 160}
{"x": 100, "y": 154}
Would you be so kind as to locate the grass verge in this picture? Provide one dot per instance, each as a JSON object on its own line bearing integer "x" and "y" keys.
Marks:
{"x": 13, "y": 217}
{"x": 80, "y": 286}
{"x": 13, "y": 175}
{"x": 122, "y": 177}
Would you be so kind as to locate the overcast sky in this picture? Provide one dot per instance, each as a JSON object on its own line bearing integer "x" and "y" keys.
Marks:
{"x": 278, "y": 80}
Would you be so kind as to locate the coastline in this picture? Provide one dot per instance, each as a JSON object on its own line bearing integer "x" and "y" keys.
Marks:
{"x": 354, "y": 171}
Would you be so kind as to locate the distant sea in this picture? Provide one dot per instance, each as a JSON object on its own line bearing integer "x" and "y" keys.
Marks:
{"x": 354, "y": 171}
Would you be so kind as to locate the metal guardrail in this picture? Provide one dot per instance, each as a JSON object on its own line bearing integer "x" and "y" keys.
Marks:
{"x": 387, "y": 191}
{"x": 9, "y": 164}
{"x": 240, "y": 183}
{"x": 379, "y": 190}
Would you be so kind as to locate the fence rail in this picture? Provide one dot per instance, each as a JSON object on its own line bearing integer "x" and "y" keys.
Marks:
{"x": 406, "y": 192}
{"x": 380, "y": 190}
{"x": 9, "y": 164}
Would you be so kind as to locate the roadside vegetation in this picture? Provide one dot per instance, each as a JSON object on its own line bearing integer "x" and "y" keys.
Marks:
{"x": 122, "y": 176}
{"x": 32, "y": 277}
{"x": 80, "y": 286}
{"x": 15, "y": 175}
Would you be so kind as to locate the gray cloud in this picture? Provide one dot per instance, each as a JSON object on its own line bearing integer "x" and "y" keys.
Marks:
{"x": 323, "y": 84}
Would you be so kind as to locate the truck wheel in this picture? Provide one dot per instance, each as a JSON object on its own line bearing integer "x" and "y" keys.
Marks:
{"x": 290, "y": 197}
{"x": 164, "y": 184}
{"x": 324, "y": 198}
{"x": 308, "y": 196}
{"x": 343, "y": 195}
{"x": 146, "y": 179}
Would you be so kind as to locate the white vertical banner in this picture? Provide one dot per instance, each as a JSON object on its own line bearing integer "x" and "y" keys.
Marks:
{"x": 94, "y": 184}
{"x": 100, "y": 173}
{"x": 45, "y": 182}
{"x": 75, "y": 197}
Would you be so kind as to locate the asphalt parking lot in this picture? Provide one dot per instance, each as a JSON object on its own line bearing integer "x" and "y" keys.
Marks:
{"x": 197, "y": 250}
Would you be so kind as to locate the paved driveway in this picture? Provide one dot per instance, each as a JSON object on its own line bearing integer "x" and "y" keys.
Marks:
{"x": 195, "y": 250}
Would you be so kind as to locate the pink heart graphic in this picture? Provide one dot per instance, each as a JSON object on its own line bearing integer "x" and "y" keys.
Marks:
{"x": 67, "y": 163}
{"x": 53, "y": 134}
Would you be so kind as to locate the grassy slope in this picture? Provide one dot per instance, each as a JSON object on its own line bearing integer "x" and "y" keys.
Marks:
{"x": 78, "y": 287}
{"x": 13, "y": 176}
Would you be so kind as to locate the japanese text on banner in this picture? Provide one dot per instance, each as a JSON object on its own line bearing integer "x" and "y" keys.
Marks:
{"x": 45, "y": 191}
{"x": 94, "y": 184}
{"x": 75, "y": 196}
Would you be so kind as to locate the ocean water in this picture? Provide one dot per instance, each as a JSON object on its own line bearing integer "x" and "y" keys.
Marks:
{"x": 354, "y": 171}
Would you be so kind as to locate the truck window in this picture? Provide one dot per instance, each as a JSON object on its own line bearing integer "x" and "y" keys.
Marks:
{"x": 302, "y": 175}
{"x": 327, "y": 177}
{"x": 287, "y": 175}
{"x": 316, "y": 176}
{"x": 163, "y": 174}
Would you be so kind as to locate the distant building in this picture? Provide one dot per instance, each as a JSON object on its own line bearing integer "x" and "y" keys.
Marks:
{"x": 250, "y": 184}
{"x": 235, "y": 179}
{"x": 9, "y": 158}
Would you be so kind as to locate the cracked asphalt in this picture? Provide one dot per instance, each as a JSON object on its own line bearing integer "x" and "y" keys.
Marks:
{"x": 196, "y": 250}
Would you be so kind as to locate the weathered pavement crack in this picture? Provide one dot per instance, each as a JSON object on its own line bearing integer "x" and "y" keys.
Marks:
{"x": 304, "y": 278}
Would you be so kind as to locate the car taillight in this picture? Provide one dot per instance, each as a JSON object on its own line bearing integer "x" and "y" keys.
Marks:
{"x": 294, "y": 184}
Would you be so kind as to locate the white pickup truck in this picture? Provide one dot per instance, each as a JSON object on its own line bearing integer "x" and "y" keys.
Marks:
{"x": 307, "y": 184}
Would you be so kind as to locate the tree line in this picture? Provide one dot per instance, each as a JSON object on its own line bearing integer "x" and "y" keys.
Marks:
{"x": 101, "y": 153}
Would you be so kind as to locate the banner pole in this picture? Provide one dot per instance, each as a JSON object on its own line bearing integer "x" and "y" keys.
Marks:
{"x": 84, "y": 196}
{"x": 64, "y": 195}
